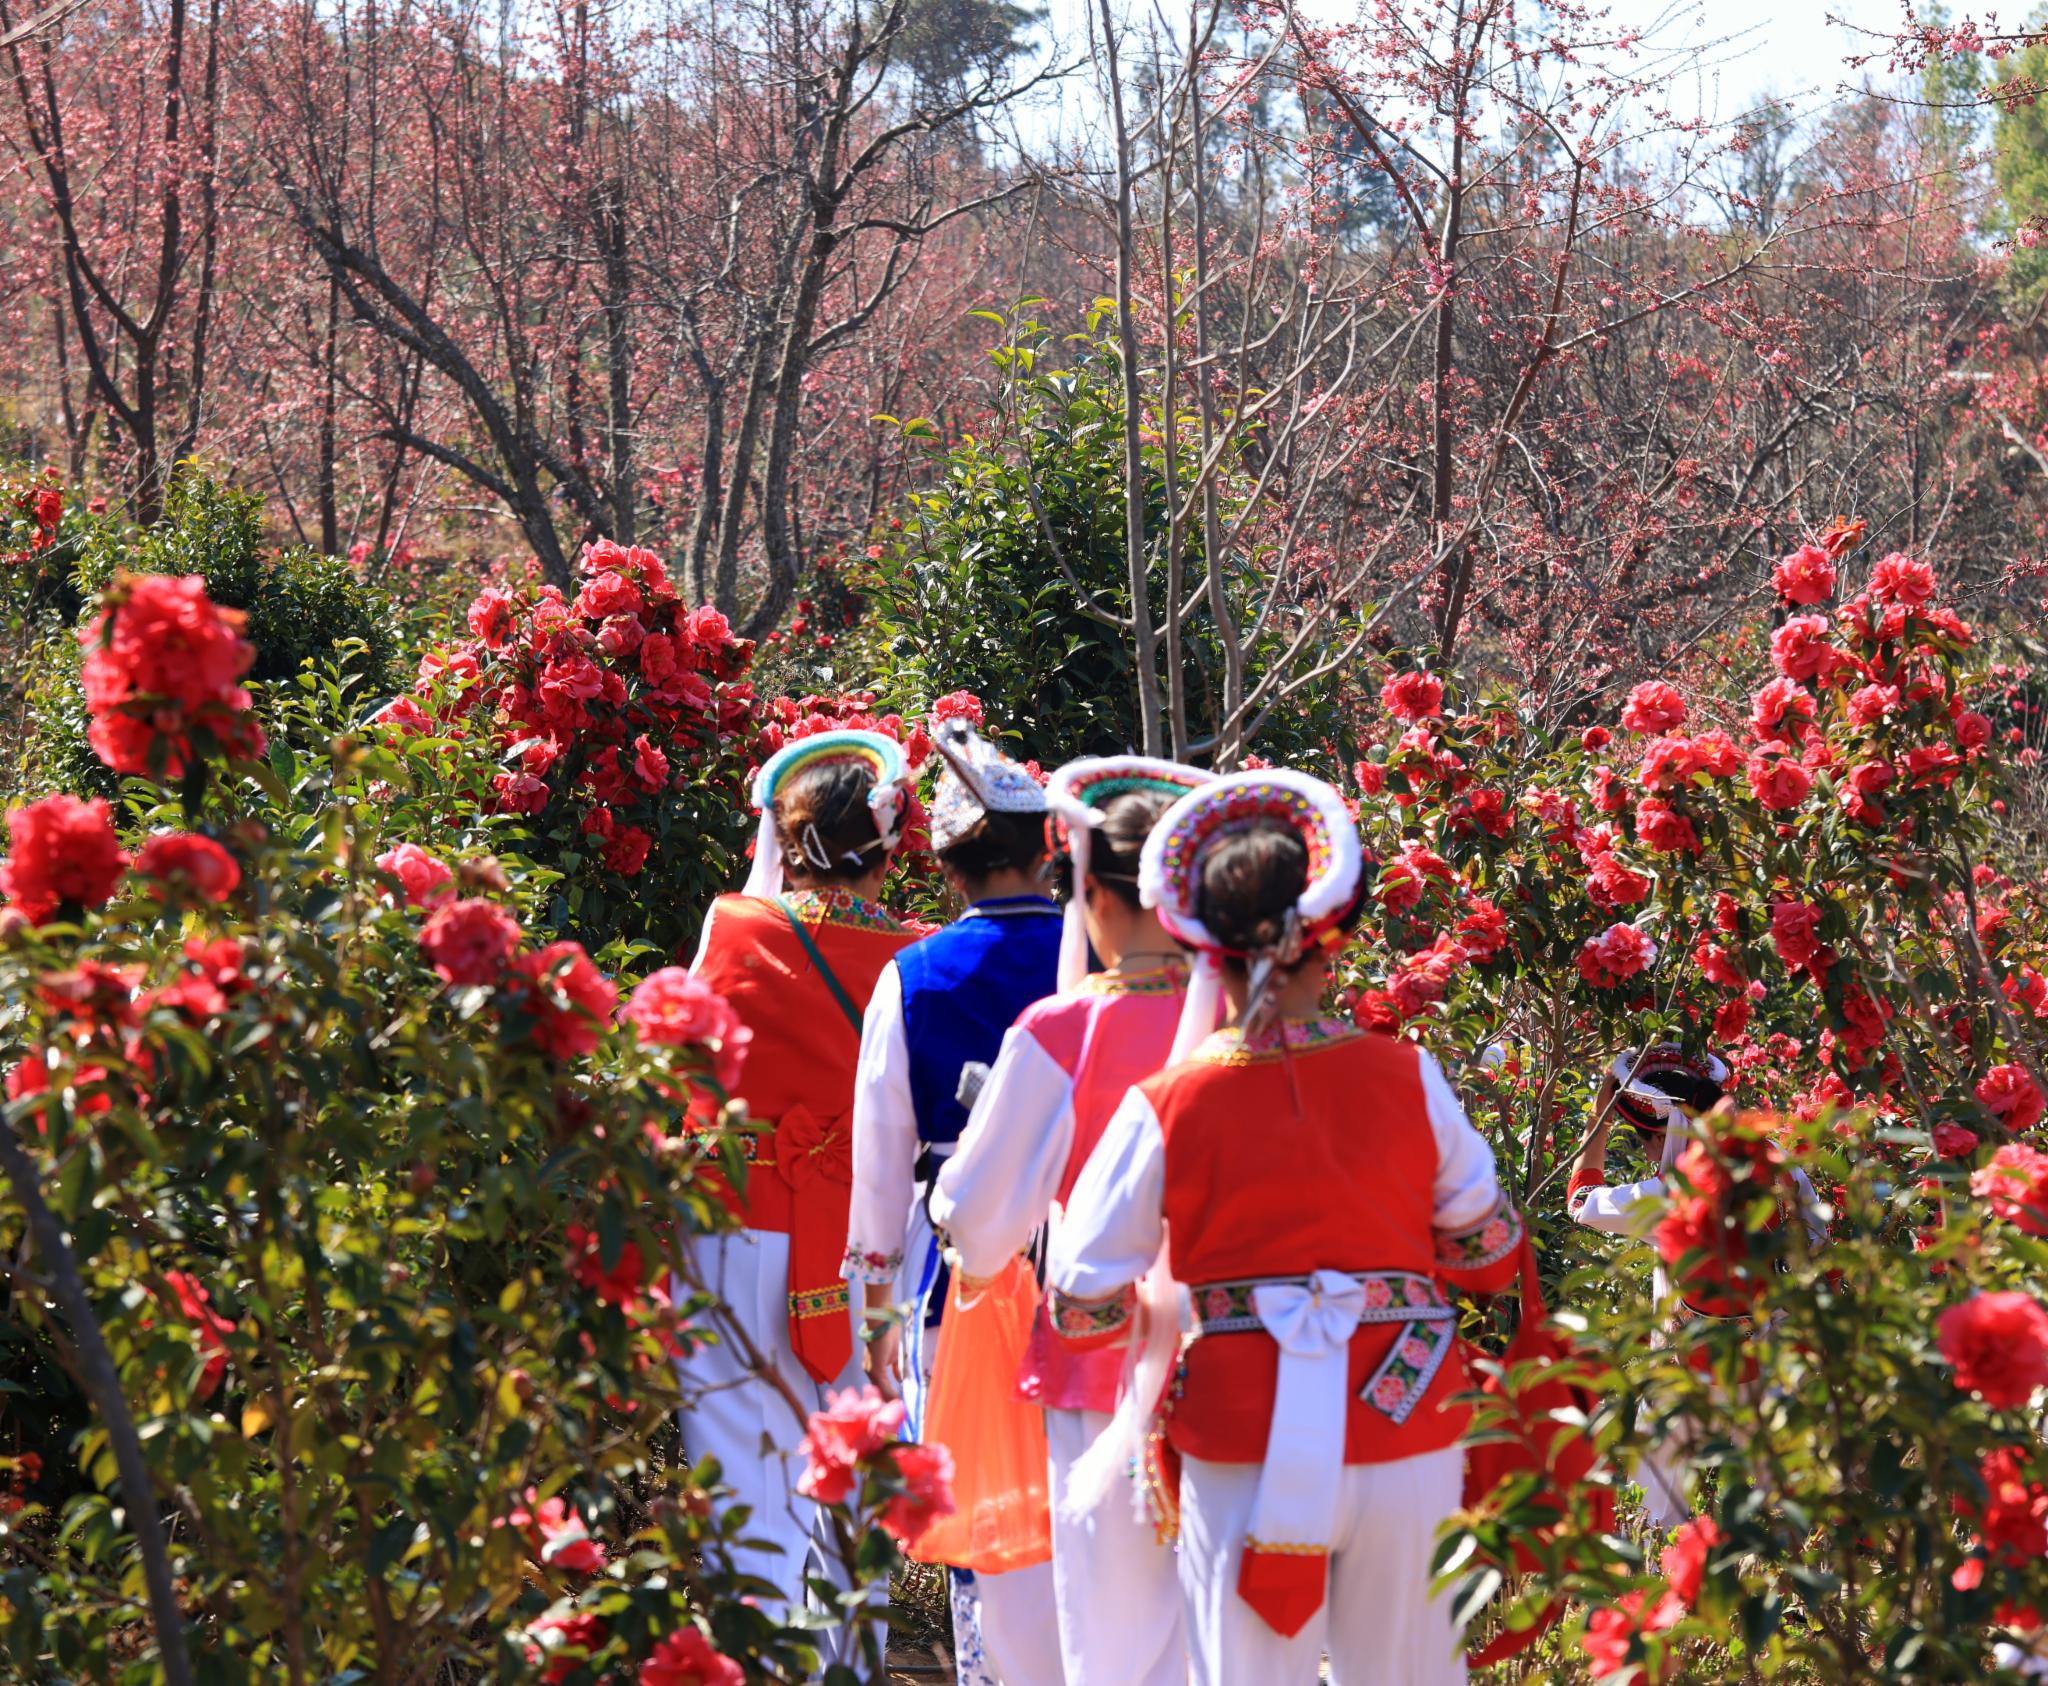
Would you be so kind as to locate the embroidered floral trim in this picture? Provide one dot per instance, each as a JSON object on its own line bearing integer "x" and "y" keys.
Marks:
{"x": 819, "y": 1302}
{"x": 1078, "y": 1320}
{"x": 831, "y": 905}
{"x": 1391, "y": 1296}
{"x": 1169, "y": 979}
{"x": 863, "y": 1266}
{"x": 1411, "y": 1364}
{"x": 1486, "y": 1244}
{"x": 1303, "y": 1036}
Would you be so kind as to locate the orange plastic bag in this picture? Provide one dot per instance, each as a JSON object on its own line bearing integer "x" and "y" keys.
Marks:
{"x": 1002, "y": 1516}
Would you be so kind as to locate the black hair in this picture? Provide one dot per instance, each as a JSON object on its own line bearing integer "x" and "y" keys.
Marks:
{"x": 1115, "y": 845}
{"x": 1000, "y": 841}
{"x": 828, "y": 831}
{"x": 1250, "y": 878}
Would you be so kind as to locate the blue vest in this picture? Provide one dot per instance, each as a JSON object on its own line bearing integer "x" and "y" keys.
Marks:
{"x": 963, "y": 987}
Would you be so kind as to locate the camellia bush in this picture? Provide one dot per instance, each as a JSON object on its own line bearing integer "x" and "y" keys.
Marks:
{"x": 356, "y": 1207}
{"x": 1812, "y": 887}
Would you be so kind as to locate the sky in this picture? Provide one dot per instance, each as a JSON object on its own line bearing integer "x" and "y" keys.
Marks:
{"x": 1795, "y": 49}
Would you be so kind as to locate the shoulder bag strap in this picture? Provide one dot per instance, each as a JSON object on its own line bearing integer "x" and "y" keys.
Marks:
{"x": 810, "y": 947}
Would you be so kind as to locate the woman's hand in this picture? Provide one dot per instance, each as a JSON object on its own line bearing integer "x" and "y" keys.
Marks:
{"x": 882, "y": 1359}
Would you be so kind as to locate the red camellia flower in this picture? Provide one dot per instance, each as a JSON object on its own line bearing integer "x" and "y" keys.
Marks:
{"x": 2014, "y": 1521}
{"x": 469, "y": 941}
{"x": 1795, "y": 929}
{"x": 855, "y": 1424}
{"x": 959, "y": 705}
{"x": 63, "y": 852}
{"x": 626, "y": 853}
{"x": 195, "y": 1307}
{"x": 1779, "y": 710}
{"x": 1805, "y": 577}
{"x": 687, "y": 1658}
{"x": 1615, "y": 955}
{"x": 1595, "y": 738}
{"x": 1869, "y": 705}
{"x": 1483, "y": 932}
{"x": 618, "y": 1284}
{"x": 2015, "y": 1186}
{"x": 163, "y": 662}
{"x": 1662, "y": 827}
{"x": 1952, "y": 1141}
{"x": 2027, "y": 988}
{"x": 1778, "y": 781}
{"x": 1997, "y": 1344}
{"x": 1413, "y": 696}
{"x": 201, "y": 865}
{"x": 927, "y": 1494}
{"x": 494, "y": 617}
{"x": 1371, "y": 777}
{"x": 558, "y": 1645}
{"x": 426, "y": 880}
{"x": 1684, "y": 1560}
{"x": 2010, "y": 1096}
{"x": 567, "y": 998}
{"x": 1611, "y": 1632}
{"x": 1653, "y": 706}
{"x": 1899, "y": 579}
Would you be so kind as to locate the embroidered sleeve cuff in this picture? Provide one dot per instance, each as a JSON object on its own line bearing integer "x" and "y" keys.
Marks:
{"x": 1582, "y": 1184}
{"x": 1475, "y": 1257}
{"x": 863, "y": 1266}
{"x": 1091, "y": 1323}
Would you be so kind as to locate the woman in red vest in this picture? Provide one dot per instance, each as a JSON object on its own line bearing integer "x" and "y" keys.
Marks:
{"x": 1316, "y": 1188}
{"x": 797, "y": 955}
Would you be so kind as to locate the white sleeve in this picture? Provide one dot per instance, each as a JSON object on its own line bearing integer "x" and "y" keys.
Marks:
{"x": 884, "y": 1139}
{"x": 1811, "y": 1213}
{"x": 1000, "y": 1181}
{"x": 1467, "y": 1185}
{"x": 704, "y": 940}
{"x": 1620, "y": 1208}
{"x": 1111, "y": 1231}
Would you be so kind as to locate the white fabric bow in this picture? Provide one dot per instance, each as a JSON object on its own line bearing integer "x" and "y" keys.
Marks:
{"x": 1313, "y": 1322}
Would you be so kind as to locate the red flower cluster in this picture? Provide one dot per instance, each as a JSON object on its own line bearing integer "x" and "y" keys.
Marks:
{"x": 2011, "y": 1097}
{"x": 469, "y": 941}
{"x": 1413, "y": 697}
{"x": 63, "y": 852}
{"x": 1613, "y": 957}
{"x": 196, "y": 865}
{"x": 621, "y": 1283}
{"x": 2015, "y": 1186}
{"x": 195, "y": 1308}
{"x": 1613, "y": 1634}
{"x": 2012, "y": 1523}
{"x": 1684, "y": 1560}
{"x": 600, "y": 699}
{"x": 566, "y": 1000}
{"x": 687, "y": 1658}
{"x": 162, "y": 676}
{"x": 426, "y": 880}
{"x": 558, "y": 1535}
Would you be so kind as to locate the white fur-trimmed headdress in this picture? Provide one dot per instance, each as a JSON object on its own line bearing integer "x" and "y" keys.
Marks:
{"x": 975, "y": 778}
{"x": 1076, "y": 797}
{"x": 888, "y": 800}
{"x": 1170, "y": 876}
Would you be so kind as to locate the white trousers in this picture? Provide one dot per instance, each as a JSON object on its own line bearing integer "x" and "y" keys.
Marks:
{"x": 1018, "y": 1625}
{"x": 1115, "y": 1584}
{"x": 1378, "y": 1622}
{"x": 735, "y": 1417}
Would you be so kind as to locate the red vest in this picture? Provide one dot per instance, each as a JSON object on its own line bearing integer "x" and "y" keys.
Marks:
{"x": 1260, "y": 1186}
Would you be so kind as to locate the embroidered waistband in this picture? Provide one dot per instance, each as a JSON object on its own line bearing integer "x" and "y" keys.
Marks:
{"x": 1391, "y": 1296}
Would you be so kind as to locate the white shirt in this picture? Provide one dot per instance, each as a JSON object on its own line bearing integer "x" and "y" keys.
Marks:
{"x": 884, "y": 1139}
{"x": 1000, "y": 1183}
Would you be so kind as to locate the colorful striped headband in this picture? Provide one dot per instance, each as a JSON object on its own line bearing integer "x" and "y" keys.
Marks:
{"x": 887, "y": 800}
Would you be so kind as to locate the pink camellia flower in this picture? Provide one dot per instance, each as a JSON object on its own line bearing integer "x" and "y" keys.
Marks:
{"x": 469, "y": 941}
{"x": 1997, "y": 1344}
{"x": 927, "y": 1494}
{"x": 1617, "y": 954}
{"x": 1899, "y": 579}
{"x": 2010, "y": 1096}
{"x": 559, "y": 1535}
{"x": 63, "y": 852}
{"x": 1413, "y": 696}
{"x": 1800, "y": 648}
{"x": 687, "y": 1658}
{"x": 1653, "y": 706}
{"x": 1779, "y": 781}
{"x": 1780, "y": 709}
{"x": 201, "y": 865}
{"x": 650, "y": 766}
{"x": 672, "y": 1009}
{"x": 567, "y": 1000}
{"x": 1795, "y": 933}
{"x": 1805, "y": 577}
{"x": 425, "y": 879}
{"x": 855, "y": 1424}
{"x": 2015, "y": 1186}
{"x": 1869, "y": 705}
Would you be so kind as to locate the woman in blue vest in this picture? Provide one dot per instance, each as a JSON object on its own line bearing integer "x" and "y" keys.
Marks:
{"x": 932, "y": 1029}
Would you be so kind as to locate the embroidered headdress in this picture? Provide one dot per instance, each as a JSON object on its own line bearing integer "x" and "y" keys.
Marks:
{"x": 1170, "y": 876}
{"x": 887, "y": 800}
{"x": 1076, "y": 795}
{"x": 975, "y": 779}
{"x": 1662, "y": 1085}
